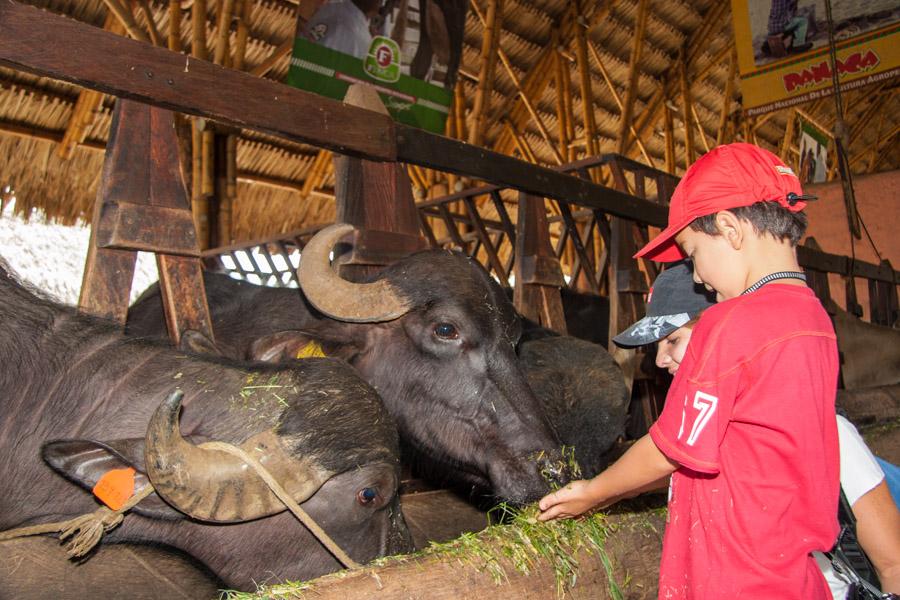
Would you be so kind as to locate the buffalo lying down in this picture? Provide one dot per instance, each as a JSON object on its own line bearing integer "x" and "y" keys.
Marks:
{"x": 433, "y": 333}
{"x": 83, "y": 398}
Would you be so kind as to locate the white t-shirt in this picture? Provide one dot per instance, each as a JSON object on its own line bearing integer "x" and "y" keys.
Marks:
{"x": 860, "y": 472}
{"x": 341, "y": 26}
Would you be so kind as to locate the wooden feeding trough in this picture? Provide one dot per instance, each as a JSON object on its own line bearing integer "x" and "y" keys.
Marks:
{"x": 598, "y": 557}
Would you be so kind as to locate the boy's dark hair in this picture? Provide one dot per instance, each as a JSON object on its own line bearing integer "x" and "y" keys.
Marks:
{"x": 766, "y": 217}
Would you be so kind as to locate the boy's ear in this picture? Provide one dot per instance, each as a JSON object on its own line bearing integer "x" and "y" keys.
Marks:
{"x": 729, "y": 227}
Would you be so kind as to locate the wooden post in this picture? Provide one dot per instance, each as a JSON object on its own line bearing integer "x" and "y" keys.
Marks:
{"x": 142, "y": 205}
{"x": 634, "y": 69}
{"x": 375, "y": 197}
{"x": 174, "y": 39}
{"x": 788, "y": 136}
{"x": 538, "y": 274}
{"x": 627, "y": 286}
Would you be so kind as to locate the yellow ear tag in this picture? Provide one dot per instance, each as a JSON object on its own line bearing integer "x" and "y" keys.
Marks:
{"x": 115, "y": 487}
{"x": 310, "y": 350}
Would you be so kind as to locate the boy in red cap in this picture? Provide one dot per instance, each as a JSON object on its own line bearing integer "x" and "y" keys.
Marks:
{"x": 748, "y": 430}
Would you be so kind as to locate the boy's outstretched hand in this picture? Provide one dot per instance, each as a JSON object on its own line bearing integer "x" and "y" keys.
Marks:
{"x": 567, "y": 502}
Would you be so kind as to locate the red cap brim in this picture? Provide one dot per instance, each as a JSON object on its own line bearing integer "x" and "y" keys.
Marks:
{"x": 663, "y": 248}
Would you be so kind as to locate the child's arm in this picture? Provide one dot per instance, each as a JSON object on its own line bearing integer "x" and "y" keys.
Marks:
{"x": 878, "y": 531}
{"x": 640, "y": 468}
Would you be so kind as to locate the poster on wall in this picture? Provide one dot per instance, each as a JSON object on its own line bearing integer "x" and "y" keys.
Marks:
{"x": 408, "y": 50}
{"x": 813, "y": 163}
{"x": 783, "y": 49}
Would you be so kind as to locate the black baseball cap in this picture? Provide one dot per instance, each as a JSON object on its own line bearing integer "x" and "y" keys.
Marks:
{"x": 674, "y": 300}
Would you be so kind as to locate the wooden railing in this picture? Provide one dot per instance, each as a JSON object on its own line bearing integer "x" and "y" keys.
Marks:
{"x": 479, "y": 222}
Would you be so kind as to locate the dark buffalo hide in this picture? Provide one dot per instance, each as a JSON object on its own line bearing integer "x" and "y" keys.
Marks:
{"x": 79, "y": 397}
{"x": 446, "y": 369}
{"x": 582, "y": 391}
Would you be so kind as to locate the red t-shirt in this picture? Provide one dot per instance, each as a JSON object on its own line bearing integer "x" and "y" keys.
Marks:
{"x": 750, "y": 419}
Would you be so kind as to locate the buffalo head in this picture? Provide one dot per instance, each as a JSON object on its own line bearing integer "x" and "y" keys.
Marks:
{"x": 317, "y": 428}
{"x": 435, "y": 335}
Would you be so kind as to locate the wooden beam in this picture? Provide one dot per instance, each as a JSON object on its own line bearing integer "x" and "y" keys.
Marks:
{"x": 489, "y": 45}
{"x": 727, "y": 98}
{"x": 86, "y": 107}
{"x": 105, "y": 62}
{"x": 634, "y": 70}
{"x": 535, "y": 116}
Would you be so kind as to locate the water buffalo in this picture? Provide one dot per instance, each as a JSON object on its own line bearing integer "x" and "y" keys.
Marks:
{"x": 433, "y": 333}
{"x": 78, "y": 399}
{"x": 582, "y": 391}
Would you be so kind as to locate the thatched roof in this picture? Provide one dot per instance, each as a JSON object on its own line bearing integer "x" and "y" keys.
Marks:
{"x": 272, "y": 174}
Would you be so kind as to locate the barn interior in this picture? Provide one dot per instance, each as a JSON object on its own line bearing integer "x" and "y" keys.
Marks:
{"x": 168, "y": 127}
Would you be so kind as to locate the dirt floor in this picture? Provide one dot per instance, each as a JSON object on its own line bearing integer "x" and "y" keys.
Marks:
{"x": 884, "y": 441}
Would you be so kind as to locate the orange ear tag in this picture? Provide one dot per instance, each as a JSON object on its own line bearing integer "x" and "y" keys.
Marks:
{"x": 310, "y": 350}
{"x": 115, "y": 487}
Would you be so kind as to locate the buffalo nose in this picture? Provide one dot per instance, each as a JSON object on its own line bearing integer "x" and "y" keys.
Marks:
{"x": 556, "y": 470}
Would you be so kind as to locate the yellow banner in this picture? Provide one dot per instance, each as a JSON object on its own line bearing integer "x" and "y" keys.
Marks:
{"x": 783, "y": 52}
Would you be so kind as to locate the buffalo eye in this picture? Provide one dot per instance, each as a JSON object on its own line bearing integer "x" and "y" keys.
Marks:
{"x": 367, "y": 495}
{"x": 446, "y": 331}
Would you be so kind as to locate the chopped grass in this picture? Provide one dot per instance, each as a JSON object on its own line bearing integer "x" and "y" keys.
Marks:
{"x": 522, "y": 543}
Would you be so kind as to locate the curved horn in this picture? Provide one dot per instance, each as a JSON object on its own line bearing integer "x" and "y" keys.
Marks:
{"x": 341, "y": 299}
{"x": 212, "y": 485}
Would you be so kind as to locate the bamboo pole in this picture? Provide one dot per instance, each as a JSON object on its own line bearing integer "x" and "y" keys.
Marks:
{"x": 634, "y": 69}
{"x": 686, "y": 105}
{"x": 521, "y": 143}
{"x": 698, "y": 41}
{"x": 126, "y": 18}
{"x": 669, "y": 128}
{"x": 561, "y": 115}
{"x": 459, "y": 106}
{"x": 489, "y": 45}
{"x": 174, "y": 41}
{"x": 587, "y": 96}
{"x": 699, "y": 126}
{"x": 727, "y": 98}
{"x": 618, "y": 99}
{"x": 155, "y": 37}
{"x": 788, "y": 135}
{"x": 223, "y": 28}
{"x": 535, "y": 116}
{"x": 535, "y": 81}
{"x": 277, "y": 54}
{"x": 568, "y": 103}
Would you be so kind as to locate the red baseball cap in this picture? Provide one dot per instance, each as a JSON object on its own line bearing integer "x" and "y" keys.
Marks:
{"x": 728, "y": 176}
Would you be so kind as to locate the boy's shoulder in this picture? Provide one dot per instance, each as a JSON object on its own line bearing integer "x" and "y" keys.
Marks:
{"x": 773, "y": 312}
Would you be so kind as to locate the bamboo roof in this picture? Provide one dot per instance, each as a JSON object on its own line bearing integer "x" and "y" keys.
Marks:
{"x": 282, "y": 186}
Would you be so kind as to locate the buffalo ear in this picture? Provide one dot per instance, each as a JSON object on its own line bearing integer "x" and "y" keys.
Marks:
{"x": 84, "y": 462}
{"x": 287, "y": 345}
{"x": 194, "y": 342}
